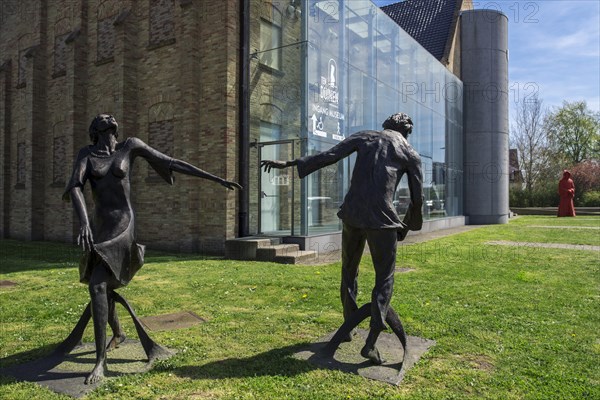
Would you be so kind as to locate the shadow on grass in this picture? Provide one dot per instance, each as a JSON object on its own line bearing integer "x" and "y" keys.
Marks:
{"x": 20, "y": 256}
{"x": 27, "y": 356}
{"x": 37, "y": 364}
{"x": 45, "y": 367}
{"x": 33, "y": 365}
{"x": 154, "y": 256}
{"x": 275, "y": 362}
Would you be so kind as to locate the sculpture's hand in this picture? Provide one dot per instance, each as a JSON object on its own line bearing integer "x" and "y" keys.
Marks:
{"x": 401, "y": 234}
{"x": 267, "y": 165}
{"x": 231, "y": 185}
{"x": 85, "y": 238}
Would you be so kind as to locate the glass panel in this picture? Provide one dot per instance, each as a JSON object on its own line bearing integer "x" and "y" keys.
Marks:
{"x": 277, "y": 99}
{"x": 379, "y": 70}
{"x": 387, "y": 103}
{"x": 402, "y": 198}
{"x": 276, "y": 192}
{"x": 334, "y": 69}
{"x": 325, "y": 193}
{"x": 270, "y": 38}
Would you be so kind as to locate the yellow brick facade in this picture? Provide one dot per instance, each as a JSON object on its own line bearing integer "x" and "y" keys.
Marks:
{"x": 186, "y": 77}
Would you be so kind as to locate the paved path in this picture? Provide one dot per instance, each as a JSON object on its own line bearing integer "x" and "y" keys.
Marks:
{"x": 564, "y": 227}
{"x": 334, "y": 256}
{"x": 545, "y": 245}
{"x": 424, "y": 237}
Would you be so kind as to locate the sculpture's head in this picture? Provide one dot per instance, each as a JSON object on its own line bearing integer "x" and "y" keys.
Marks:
{"x": 103, "y": 123}
{"x": 566, "y": 174}
{"x": 399, "y": 122}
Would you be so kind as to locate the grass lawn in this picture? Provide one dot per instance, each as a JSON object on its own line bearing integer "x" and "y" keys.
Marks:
{"x": 510, "y": 323}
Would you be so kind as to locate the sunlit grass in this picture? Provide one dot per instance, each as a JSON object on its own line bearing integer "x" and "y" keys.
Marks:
{"x": 510, "y": 323}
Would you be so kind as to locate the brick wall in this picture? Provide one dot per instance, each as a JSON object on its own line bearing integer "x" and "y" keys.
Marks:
{"x": 161, "y": 22}
{"x": 166, "y": 69}
{"x": 60, "y": 55}
{"x": 59, "y": 160}
{"x": 5, "y": 155}
{"x": 21, "y": 165}
{"x": 105, "y": 40}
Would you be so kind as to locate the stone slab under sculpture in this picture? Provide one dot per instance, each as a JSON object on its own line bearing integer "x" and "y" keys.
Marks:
{"x": 369, "y": 216}
{"x": 112, "y": 256}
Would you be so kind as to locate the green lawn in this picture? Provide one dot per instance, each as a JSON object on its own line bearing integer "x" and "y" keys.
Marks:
{"x": 510, "y": 323}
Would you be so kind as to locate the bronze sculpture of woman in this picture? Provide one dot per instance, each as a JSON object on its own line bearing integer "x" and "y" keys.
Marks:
{"x": 112, "y": 255}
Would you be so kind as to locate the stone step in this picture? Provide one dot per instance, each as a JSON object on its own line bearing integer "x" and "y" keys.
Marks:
{"x": 245, "y": 248}
{"x": 301, "y": 256}
{"x": 269, "y": 253}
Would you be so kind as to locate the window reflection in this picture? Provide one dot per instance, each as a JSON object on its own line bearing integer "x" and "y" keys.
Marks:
{"x": 270, "y": 44}
{"x": 355, "y": 69}
{"x": 386, "y": 71}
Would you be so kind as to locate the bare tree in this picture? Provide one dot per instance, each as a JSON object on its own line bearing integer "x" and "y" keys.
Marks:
{"x": 527, "y": 135}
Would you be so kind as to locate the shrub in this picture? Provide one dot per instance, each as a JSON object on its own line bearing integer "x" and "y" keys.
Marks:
{"x": 542, "y": 196}
{"x": 517, "y": 197}
{"x": 586, "y": 177}
{"x": 591, "y": 199}
{"x": 545, "y": 196}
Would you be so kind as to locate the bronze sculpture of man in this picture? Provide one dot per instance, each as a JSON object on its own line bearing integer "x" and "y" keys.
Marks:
{"x": 112, "y": 255}
{"x": 368, "y": 213}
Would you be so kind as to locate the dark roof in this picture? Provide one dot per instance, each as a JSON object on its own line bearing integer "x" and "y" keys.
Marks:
{"x": 429, "y": 22}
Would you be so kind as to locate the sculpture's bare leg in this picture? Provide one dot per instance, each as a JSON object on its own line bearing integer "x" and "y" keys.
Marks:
{"x": 98, "y": 288}
{"x": 113, "y": 321}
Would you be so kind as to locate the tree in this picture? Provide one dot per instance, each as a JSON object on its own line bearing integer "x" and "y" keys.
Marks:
{"x": 586, "y": 176}
{"x": 529, "y": 138}
{"x": 573, "y": 132}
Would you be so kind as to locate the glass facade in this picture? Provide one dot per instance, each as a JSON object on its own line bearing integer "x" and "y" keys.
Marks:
{"x": 344, "y": 66}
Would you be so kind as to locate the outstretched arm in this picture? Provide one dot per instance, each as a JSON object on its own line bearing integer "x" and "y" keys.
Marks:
{"x": 309, "y": 164}
{"x": 274, "y": 164}
{"x": 164, "y": 164}
{"x": 188, "y": 169}
{"x": 85, "y": 237}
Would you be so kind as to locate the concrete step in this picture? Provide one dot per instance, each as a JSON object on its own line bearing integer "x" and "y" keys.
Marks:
{"x": 245, "y": 248}
{"x": 269, "y": 253}
{"x": 301, "y": 256}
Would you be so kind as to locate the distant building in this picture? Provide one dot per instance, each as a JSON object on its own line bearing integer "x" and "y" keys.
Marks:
{"x": 516, "y": 175}
{"x": 224, "y": 84}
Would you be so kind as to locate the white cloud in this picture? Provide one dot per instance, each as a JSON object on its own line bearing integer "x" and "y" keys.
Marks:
{"x": 560, "y": 53}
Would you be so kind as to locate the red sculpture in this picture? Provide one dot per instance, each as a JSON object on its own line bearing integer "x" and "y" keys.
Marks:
{"x": 566, "y": 190}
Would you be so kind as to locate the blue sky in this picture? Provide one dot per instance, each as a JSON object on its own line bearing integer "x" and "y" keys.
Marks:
{"x": 554, "y": 49}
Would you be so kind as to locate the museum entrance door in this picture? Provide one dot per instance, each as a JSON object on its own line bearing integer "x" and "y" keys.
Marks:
{"x": 276, "y": 194}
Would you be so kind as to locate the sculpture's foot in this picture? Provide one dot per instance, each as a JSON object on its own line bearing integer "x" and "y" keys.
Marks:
{"x": 115, "y": 341}
{"x": 351, "y": 334}
{"x": 372, "y": 354}
{"x": 158, "y": 353}
{"x": 97, "y": 373}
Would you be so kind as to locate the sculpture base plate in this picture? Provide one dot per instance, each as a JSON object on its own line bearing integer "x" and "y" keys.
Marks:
{"x": 348, "y": 359}
{"x": 167, "y": 322}
{"x": 65, "y": 374}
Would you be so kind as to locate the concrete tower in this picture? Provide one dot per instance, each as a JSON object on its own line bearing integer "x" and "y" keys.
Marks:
{"x": 484, "y": 71}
